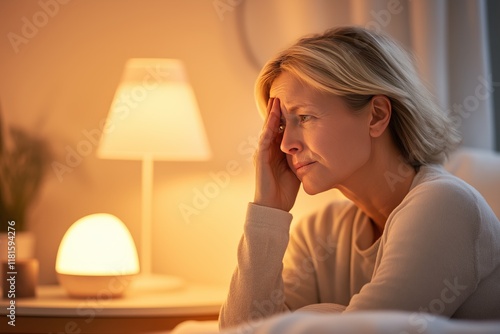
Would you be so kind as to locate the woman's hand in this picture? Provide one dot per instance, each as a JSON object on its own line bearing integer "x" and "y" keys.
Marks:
{"x": 276, "y": 184}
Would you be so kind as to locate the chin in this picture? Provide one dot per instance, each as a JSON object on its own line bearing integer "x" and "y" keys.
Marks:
{"x": 312, "y": 190}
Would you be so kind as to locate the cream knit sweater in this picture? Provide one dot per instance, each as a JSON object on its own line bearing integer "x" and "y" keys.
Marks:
{"x": 439, "y": 253}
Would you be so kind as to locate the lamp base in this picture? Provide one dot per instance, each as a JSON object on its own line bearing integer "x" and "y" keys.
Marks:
{"x": 85, "y": 286}
{"x": 155, "y": 283}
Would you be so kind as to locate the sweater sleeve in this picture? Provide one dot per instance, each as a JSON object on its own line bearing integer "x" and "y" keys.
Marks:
{"x": 256, "y": 289}
{"x": 427, "y": 261}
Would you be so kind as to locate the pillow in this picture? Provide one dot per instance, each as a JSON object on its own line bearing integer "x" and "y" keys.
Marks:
{"x": 481, "y": 169}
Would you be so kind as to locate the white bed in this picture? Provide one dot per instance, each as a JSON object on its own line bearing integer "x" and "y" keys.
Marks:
{"x": 376, "y": 322}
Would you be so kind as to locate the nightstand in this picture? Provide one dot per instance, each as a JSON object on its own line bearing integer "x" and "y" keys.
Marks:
{"x": 137, "y": 312}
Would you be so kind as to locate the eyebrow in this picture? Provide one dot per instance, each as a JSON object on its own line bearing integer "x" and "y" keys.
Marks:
{"x": 295, "y": 108}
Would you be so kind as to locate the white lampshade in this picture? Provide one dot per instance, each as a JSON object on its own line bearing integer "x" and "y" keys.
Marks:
{"x": 96, "y": 251}
{"x": 154, "y": 113}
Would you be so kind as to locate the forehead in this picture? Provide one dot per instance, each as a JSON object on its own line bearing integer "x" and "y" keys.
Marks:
{"x": 286, "y": 84}
{"x": 294, "y": 92}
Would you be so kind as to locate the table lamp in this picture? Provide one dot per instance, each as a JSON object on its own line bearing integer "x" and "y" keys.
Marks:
{"x": 96, "y": 256}
{"x": 154, "y": 116}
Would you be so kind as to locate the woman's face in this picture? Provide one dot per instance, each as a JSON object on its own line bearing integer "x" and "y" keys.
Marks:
{"x": 326, "y": 143}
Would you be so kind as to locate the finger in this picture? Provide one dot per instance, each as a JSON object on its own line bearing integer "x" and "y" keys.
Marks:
{"x": 270, "y": 104}
{"x": 271, "y": 128}
{"x": 268, "y": 112}
{"x": 275, "y": 115}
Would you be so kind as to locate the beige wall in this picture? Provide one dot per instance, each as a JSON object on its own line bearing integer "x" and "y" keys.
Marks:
{"x": 59, "y": 79}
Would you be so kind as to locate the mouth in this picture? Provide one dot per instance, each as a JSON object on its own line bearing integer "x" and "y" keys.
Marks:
{"x": 302, "y": 167}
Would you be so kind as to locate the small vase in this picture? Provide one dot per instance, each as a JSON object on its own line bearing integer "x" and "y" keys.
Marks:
{"x": 18, "y": 249}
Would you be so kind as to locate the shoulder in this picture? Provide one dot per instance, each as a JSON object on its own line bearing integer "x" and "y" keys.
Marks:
{"x": 446, "y": 220}
{"x": 438, "y": 191}
{"x": 442, "y": 205}
{"x": 435, "y": 177}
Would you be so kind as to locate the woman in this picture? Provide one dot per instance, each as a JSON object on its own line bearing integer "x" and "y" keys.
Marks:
{"x": 346, "y": 110}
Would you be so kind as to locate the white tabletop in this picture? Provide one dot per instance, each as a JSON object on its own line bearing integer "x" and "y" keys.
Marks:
{"x": 190, "y": 299}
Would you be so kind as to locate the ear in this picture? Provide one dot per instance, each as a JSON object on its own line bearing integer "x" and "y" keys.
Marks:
{"x": 380, "y": 109}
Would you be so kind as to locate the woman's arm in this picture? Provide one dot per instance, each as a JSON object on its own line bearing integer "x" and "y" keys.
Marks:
{"x": 275, "y": 271}
{"x": 256, "y": 289}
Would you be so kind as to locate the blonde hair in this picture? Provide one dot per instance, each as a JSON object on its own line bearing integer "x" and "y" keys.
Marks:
{"x": 357, "y": 64}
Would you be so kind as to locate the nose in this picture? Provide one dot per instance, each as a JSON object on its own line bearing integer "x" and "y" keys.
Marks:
{"x": 291, "y": 143}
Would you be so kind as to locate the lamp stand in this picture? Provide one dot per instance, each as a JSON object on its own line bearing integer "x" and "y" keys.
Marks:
{"x": 147, "y": 198}
{"x": 147, "y": 280}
